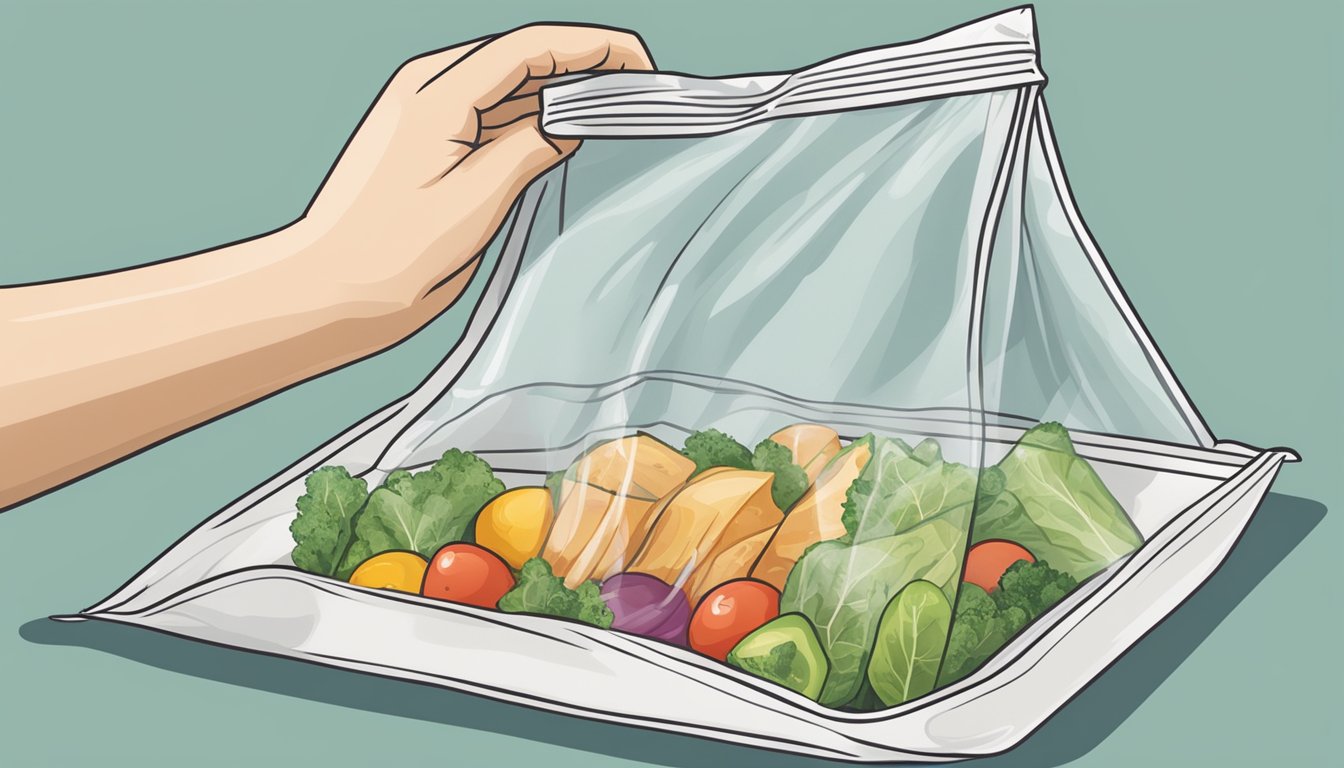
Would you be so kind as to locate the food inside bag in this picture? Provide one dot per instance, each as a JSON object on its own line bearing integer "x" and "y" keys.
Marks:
{"x": 861, "y": 575}
{"x": 797, "y": 410}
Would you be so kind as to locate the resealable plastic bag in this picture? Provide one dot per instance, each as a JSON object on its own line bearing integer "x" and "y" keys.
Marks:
{"x": 882, "y": 243}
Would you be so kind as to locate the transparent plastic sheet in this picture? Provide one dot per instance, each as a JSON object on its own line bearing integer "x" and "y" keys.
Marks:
{"x": 883, "y": 243}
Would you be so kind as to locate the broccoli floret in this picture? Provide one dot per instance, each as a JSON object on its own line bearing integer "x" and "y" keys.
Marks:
{"x": 592, "y": 608}
{"x": 790, "y": 480}
{"x": 1032, "y": 587}
{"x": 979, "y": 629}
{"x": 538, "y": 590}
{"x": 985, "y": 622}
{"x": 712, "y": 448}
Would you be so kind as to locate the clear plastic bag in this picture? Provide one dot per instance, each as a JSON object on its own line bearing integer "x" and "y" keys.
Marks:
{"x": 883, "y": 243}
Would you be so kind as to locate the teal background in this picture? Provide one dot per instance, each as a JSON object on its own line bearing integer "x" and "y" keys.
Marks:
{"x": 1203, "y": 143}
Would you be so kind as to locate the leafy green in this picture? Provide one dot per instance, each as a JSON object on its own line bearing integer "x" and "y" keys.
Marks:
{"x": 712, "y": 448}
{"x": 790, "y": 480}
{"x": 910, "y": 641}
{"x": 423, "y": 511}
{"x": 843, "y": 588}
{"x": 866, "y": 700}
{"x": 324, "y": 524}
{"x": 1032, "y": 587}
{"x": 592, "y": 608}
{"x": 901, "y": 487}
{"x": 1058, "y": 508}
{"x": 1046, "y": 498}
{"x": 539, "y": 590}
{"x": 999, "y": 513}
{"x": 985, "y": 622}
{"x": 979, "y": 629}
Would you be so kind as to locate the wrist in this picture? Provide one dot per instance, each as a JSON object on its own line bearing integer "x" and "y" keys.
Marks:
{"x": 360, "y": 280}
{"x": 312, "y": 270}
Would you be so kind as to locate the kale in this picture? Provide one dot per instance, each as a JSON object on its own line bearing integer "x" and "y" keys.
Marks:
{"x": 421, "y": 512}
{"x": 325, "y": 523}
{"x": 1032, "y": 587}
{"x": 979, "y": 629}
{"x": 984, "y": 623}
{"x": 538, "y": 590}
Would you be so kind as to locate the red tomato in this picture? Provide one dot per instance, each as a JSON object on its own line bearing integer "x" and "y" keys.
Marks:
{"x": 730, "y": 612}
{"x": 987, "y": 561}
{"x": 466, "y": 573}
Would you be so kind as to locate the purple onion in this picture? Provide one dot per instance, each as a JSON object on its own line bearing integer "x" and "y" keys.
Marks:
{"x": 644, "y": 605}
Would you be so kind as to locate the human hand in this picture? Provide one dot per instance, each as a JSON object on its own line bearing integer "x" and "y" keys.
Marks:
{"x": 437, "y": 162}
{"x": 389, "y": 241}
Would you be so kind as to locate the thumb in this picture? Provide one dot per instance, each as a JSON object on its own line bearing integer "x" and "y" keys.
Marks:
{"x": 499, "y": 170}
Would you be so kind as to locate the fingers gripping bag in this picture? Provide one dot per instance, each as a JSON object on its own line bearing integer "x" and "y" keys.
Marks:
{"x": 798, "y": 410}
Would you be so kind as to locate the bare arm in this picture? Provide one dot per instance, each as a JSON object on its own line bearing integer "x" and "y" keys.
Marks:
{"x": 99, "y": 367}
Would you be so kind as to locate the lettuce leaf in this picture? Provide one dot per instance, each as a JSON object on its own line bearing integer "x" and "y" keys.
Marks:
{"x": 1053, "y": 503}
{"x": 901, "y": 487}
{"x": 910, "y": 641}
{"x": 843, "y": 588}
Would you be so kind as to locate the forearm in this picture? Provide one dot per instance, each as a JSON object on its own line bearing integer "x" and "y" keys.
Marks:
{"x": 99, "y": 367}
{"x": 93, "y": 369}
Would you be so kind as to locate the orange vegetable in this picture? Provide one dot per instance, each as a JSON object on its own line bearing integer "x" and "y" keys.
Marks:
{"x": 466, "y": 573}
{"x": 729, "y": 613}
{"x": 710, "y": 530}
{"x": 402, "y": 571}
{"x": 812, "y": 445}
{"x": 987, "y": 561}
{"x": 606, "y": 505}
{"x": 514, "y": 524}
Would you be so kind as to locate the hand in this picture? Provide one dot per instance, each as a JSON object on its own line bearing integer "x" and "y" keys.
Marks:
{"x": 99, "y": 367}
{"x": 435, "y": 166}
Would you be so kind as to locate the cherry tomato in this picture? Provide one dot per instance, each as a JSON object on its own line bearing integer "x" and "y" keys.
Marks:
{"x": 466, "y": 573}
{"x": 987, "y": 561}
{"x": 730, "y": 612}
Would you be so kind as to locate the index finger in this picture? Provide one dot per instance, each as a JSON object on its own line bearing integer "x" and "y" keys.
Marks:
{"x": 490, "y": 73}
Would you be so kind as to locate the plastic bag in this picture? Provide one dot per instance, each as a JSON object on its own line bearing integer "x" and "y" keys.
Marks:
{"x": 882, "y": 243}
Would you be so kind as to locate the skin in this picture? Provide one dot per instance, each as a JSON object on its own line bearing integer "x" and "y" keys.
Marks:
{"x": 101, "y": 366}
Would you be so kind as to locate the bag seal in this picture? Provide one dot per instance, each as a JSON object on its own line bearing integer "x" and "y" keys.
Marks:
{"x": 994, "y": 53}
